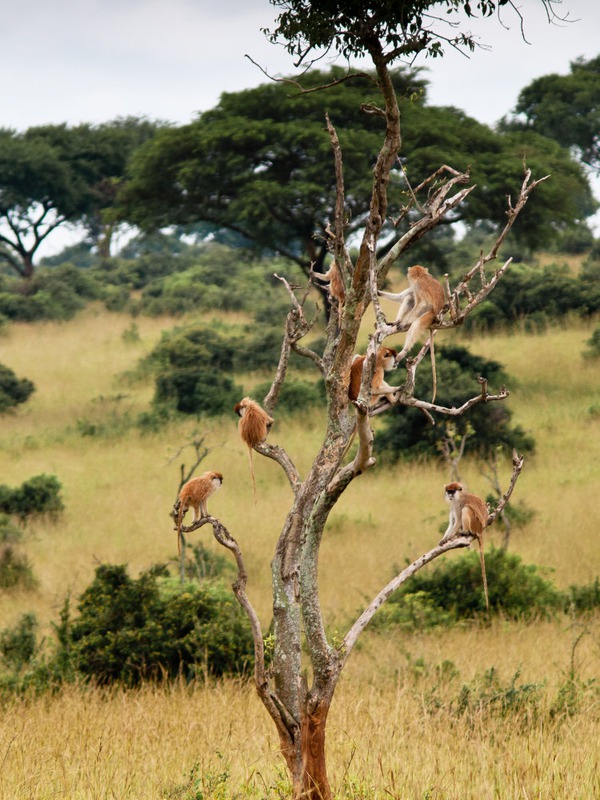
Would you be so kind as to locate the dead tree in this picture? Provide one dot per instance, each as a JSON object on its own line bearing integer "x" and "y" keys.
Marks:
{"x": 297, "y": 702}
{"x": 299, "y": 706}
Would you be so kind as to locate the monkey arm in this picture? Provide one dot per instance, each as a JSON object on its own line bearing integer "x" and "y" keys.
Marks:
{"x": 398, "y": 297}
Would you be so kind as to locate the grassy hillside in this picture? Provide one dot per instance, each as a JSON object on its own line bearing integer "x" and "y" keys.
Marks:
{"x": 396, "y": 718}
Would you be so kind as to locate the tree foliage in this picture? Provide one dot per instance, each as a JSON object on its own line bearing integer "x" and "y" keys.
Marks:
{"x": 54, "y": 174}
{"x": 565, "y": 108}
{"x": 260, "y": 164}
{"x": 128, "y": 630}
{"x": 13, "y": 390}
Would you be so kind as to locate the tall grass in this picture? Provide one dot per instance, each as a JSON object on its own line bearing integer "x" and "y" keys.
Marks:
{"x": 393, "y": 728}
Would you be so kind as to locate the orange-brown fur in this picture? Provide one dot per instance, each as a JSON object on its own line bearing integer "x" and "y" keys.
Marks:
{"x": 385, "y": 361}
{"x": 194, "y": 494}
{"x": 419, "y": 306}
{"x": 254, "y": 425}
{"x": 336, "y": 284}
{"x": 468, "y": 514}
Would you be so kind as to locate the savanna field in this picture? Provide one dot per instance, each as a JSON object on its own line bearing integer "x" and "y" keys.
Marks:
{"x": 477, "y": 711}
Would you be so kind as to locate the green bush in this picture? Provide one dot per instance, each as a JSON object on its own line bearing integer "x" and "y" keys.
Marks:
{"x": 539, "y": 294}
{"x": 407, "y": 433}
{"x": 192, "y": 370}
{"x": 15, "y": 569}
{"x": 18, "y": 645}
{"x": 584, "y": 598}
{"x": 151, "y": 628}
{"x": 37, "y": 495}
{"x": 13, "y": 390}
{"x": 8, "y": 532}
{"x": 593, "y": 345}
{"x": 52, "y": 293}
{"x": 215, "y": 277}
{"x": 206, "y": 565}
{"x": 453, "y": 590}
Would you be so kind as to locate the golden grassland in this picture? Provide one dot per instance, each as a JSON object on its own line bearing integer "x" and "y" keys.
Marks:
{"x": 393, "y": 730}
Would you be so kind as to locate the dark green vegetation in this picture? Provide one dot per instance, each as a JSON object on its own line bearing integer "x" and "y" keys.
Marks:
{"x": 407, "y": 433}
{"x": 128, "y": 630}
{"x": 13, "y": 390}
{"x": 453, "y": 591}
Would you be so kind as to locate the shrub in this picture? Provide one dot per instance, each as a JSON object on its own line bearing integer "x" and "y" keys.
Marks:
{"x": 9, "y": 532}
{"x": 130, "y": 630}
{"x": 453, "y": 590}
{"x": 15, "y": 569}
{"x": 19, "y": 644}
{"x": 52, "y": 293}
{"x": 206, "y": 565}
{"x": 13, "y": 390}
{"x": 593, "y": 345}
{"x": 37, "y": 495}
{"x": 192, "y": 368}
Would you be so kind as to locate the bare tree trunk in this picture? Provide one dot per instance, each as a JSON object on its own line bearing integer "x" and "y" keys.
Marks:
{"x": 315, "y": 785}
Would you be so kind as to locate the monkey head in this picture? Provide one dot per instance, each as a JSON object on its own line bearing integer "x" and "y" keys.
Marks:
{"x": 451, "y": 490}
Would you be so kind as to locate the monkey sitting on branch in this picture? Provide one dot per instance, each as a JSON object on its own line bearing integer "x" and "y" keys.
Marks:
{"x": 468, "y": 514}
{"x": 254, "y": 426}
{"x": 384, "y": 362}
{"x": 420, "y": 304}
{"x": 195, "y": 494}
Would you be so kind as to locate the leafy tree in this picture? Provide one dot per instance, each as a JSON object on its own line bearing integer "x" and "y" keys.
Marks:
{"x": 13, "y": 390}
{"x": 51, "y": 175}
{"x": 259, "y": 165}
{"x": 565, "y": 108}
{"x": 298, "y": 685}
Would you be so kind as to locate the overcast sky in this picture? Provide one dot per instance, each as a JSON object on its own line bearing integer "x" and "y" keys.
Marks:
{"x": 95, "y": 60}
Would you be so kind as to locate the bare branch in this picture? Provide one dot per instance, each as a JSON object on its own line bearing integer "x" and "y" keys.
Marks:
{"x": 298, "y": 85}
{"x": 361, "y": 623}
{"x": 443, "y": 547}
{"x": 278, "y": 454}
{"x": 517, "y": 467}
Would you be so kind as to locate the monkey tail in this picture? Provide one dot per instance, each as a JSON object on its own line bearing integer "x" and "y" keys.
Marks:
{"x": 350, "y": 440}
{"x": 483, "y": 573}
{"x": 179, "y": 521}
{"x": 252, "y": 473}
{"x": 433, "y": 369}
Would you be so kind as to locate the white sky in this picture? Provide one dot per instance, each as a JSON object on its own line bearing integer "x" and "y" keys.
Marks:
{"x": 95, "y": 60}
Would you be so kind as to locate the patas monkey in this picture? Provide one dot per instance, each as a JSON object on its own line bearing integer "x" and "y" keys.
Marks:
{"x": 194, "y": 494}
{"x": 254, "y": 425}
{"x": 384, "y": 362}
{"x": 468, "y": 514}
{"x": 334, "y": 278}
{"x": 419, "y": 306}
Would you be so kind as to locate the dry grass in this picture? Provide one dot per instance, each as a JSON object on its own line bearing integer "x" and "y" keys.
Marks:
{"x": 385, "y": 738}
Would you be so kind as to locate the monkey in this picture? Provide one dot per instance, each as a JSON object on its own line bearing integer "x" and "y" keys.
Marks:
{"x": 468, "y": 514}
{"x": 254, "y": 425}
{"x": 336, "y": 285}
{"x": 419, "y": 305}
{"x": 195, "y": 493}
{"x": 384, "y": 362}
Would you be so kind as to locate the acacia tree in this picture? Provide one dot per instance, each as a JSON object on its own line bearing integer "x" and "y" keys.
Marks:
{"x": 53, "y": 175}
{"x": 299, "y": 703}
